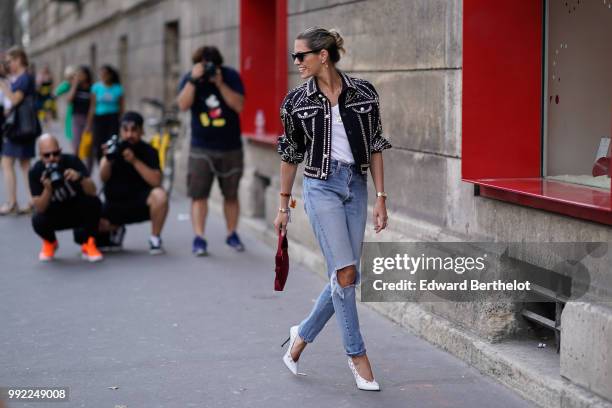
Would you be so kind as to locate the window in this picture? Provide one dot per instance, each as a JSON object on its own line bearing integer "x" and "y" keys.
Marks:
{"x": 93, "y": 59}
{"x": 511, "y": 149}
{"x": 123, "y": 63}
{"x": 172, "y": 62}
{"x": 578, "y": 100}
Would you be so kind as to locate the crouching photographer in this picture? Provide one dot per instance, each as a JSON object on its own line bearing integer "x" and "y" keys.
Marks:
{"x": 64, "y": 197}
{"x": 132, "y": 177}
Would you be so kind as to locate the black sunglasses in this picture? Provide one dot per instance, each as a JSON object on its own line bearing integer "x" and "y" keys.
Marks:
{"x": 55, "y": 153}
{"x": 300, "y": 55}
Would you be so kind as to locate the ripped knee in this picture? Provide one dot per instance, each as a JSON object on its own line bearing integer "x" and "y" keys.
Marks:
{"x": 346, "y": 276}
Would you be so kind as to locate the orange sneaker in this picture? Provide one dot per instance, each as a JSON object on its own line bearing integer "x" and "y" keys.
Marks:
{"x": 47, "y": 252}
{"x": 90, "y": 252}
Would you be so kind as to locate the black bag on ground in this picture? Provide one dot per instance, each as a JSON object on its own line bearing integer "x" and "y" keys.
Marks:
{"x": 22, "y": 125}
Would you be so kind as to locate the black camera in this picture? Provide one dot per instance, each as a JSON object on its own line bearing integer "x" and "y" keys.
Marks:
{"x": 55, "y": 173}
{"x": 210, "y": 71}
{"x": 115, "y": 147}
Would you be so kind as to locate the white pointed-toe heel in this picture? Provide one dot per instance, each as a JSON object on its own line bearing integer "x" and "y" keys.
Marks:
{"x": 287, "y": 359}
{"x": 361, "y": 382}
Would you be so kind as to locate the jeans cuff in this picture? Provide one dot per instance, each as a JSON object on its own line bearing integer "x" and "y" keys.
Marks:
{"x": 306, "y": 340}
{"x": 360, "y": 353}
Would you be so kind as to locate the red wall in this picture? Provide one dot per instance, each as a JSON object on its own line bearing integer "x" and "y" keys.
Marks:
{"x": 502, "y": 88}
{"x": 263, "y": 62}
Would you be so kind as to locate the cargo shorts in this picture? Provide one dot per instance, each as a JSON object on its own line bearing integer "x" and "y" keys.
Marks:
{"x": 206, "y": 165}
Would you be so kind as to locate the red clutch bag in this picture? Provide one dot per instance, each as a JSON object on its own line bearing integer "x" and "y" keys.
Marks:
{"x": 282, "y": 263}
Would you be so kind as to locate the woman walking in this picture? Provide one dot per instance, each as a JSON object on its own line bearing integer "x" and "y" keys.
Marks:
{"x": 333, "y": 122}
{"x": 79, "y": 97}
{"x": 21, "y": 87}
{"x": 107, "y": 105}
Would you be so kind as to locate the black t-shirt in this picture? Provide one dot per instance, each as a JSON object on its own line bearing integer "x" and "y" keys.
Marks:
{"x": 65, "y": 193}
{"x": 125, "y": 183}
{"x": 214, "y": 125}
{"x": 80, "y": 103}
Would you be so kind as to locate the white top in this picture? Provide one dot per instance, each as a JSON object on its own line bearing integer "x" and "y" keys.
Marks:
{"x": 4, "y": 100}
{"x": 340, "y": 147}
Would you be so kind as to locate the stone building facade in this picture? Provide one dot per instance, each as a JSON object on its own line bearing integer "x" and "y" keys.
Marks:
{"x": 412, "y": 51}
{"x": 10, "y": 32}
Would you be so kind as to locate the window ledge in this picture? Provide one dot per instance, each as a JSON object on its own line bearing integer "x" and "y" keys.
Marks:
{"x": 569, "y": 199}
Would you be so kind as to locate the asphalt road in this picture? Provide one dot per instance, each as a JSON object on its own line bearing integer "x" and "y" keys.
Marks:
{"x": 179, "y": 331}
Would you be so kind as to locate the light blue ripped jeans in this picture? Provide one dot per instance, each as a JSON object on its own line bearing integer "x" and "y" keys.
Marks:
{"x": 337, "y": 209}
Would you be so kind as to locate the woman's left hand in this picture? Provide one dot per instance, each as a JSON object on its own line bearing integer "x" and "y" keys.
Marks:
{"x": 380, "y": 215}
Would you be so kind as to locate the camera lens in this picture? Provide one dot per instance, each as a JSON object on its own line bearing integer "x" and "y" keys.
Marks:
{"x": 210, "y": 70}
{"x": 55, "y": 174}
{"x": 112, "y": 148}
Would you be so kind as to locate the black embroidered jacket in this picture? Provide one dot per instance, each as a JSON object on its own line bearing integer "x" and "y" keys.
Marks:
{"x": 306, "y": 116}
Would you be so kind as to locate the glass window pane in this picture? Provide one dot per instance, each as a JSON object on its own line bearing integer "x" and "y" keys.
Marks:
{"x": 578, "y": 91}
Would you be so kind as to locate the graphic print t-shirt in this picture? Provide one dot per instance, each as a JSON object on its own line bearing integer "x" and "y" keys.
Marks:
{"x": 68, "y": 190}
{"x": 81, "y": 100}
{"x": 214, "y": 125}
{"x": 107, "y": 97}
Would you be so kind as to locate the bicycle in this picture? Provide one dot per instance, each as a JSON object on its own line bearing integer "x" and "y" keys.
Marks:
{"x": 167, "y": 128}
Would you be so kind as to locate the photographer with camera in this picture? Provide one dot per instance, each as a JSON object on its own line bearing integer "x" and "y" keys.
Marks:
{"x": 64, "y": 197}
{"x": 132, "y": 178}
{"x": 214, "y": 94}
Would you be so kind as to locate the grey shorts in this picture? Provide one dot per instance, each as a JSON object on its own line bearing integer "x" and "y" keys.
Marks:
{"x": 206, "y": 165}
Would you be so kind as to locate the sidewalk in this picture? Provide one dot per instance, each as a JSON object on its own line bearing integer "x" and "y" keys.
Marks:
{"x": 179, "y": 331}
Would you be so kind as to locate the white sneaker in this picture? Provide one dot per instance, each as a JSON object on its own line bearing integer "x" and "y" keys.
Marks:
{"x": 155, "y": 246}
{"x": 287, "y": 359}
{"x": 361, "y": 382}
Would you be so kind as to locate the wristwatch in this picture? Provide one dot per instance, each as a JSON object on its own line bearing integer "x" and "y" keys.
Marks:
{"x": 194, "y": 81}
{"x": 381, "y": 194}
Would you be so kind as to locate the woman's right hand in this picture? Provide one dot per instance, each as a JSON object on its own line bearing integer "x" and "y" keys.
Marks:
{"x": 280, "y": 223}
